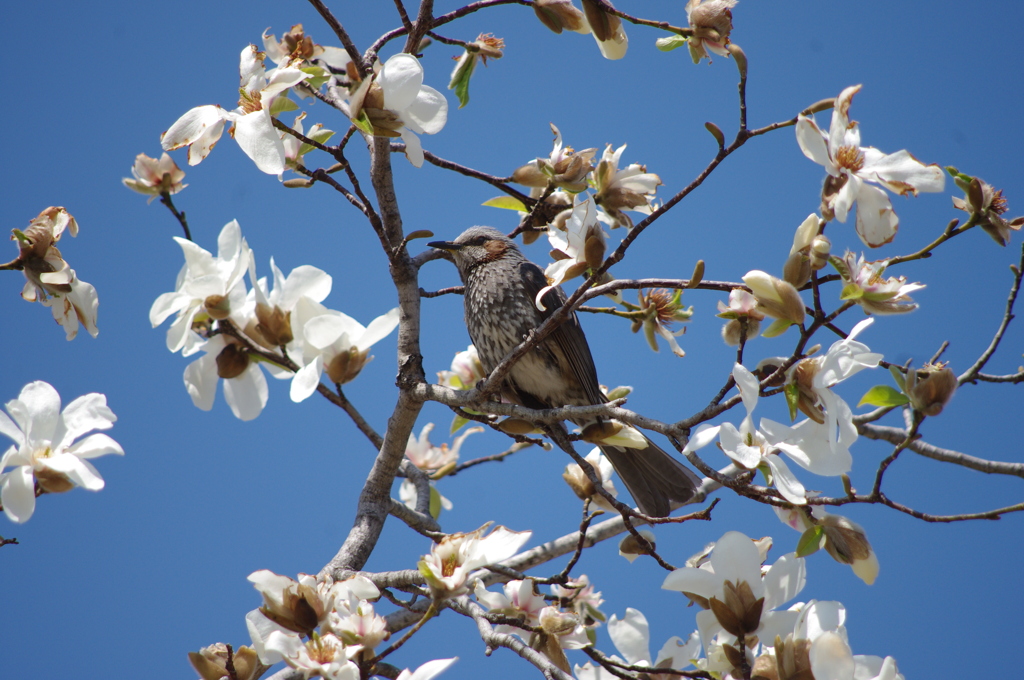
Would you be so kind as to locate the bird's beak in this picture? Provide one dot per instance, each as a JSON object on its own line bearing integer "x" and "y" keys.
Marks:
{"x": 445, "y": 245}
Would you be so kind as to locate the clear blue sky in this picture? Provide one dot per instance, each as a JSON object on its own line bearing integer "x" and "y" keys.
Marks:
{"x": 126, "y": 581}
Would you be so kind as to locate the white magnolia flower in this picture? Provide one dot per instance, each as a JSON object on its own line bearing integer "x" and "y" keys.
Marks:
{"x": 863, "y": 283}
{"x": 154, "y": 177}
{"x": 582, "y": 245}
{"x": 631, "y": 188}
{"x": 735, "y": 565}
{"x": 298, "y": 50}
{"x": 580, "y": 595}
{"x": 845, "y": 540}
{"x": 631, "y": 636}
{"x": 245, "y": 386}
{"x": 564, "y": 168}
{"x": 397, "y": 101}
{"x": 451, "y": 561}
{"x": 711, "y": 21}
{"x": 50, "y": 281}
{"x": 201, "y": 127}
{"x": 466, "y": 371}
{"x": 851, "y": 167}
{"x": 45, "y": 451}
{"x": 208, "y": 284}
{"x": 294, "y": 149}
{"x": 519, "y": 600}
{"x": 335, "y": 343}
{"x": 581, "y": 484}
{"x": 325, "y": 656}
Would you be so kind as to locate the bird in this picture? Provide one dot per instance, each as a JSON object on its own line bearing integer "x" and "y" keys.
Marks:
{"x": 500, "y": 288}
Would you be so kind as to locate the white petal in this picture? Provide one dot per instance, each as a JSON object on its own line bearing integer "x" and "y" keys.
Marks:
{"x": 305, "y": 381}
{"x": 631, "y": 636}
{"x": 400, "y": 79}
{"x": 902, "y": 173}
{"x": 876, "y": 221}
{"x": 88, "y": 412}
{"x": 9, "y": 428}
{"x": 430, "y": 669}
{"x": 192, "y": 125}
{"x": 736, "y": 558}
{"x": 257, "y": 137}
{"x": 748, "y": 386}
{"x": 281, "y": 80}
{"x": 37, "y": 411}
{"x": 247, "y": 394}
{"x": 94, "y": 446}
{"x": 413, "y": 147}
{"x": 701, "y": 437}
{"x": 428, "y": 113}
{"x": 784, "y": 581}
{"x": 201, "y": 380}
{"x": 734, "y": 445}
{"x": 378, "y": 329}
{"x": 786, "y": 482}
{"x": 18, "y": 494}
{"x": 842, "y": 204}
{"x": 324, "y": 330}
{"x": 831, "y": 658}
{"x": 812, "y": 141}
{"x": 77, "y": 470}
{"x": 304, "y": 280}
{"x": 697, "y": 581}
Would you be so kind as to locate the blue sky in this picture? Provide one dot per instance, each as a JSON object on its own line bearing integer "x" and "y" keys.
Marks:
{"x": 127, "y": 581}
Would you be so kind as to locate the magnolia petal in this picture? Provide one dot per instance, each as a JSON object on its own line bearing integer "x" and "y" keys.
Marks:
{"x": 18, "y": 494}
{"x": 323, "y": 331}
{"x": 701, "y": 437}
{"x": 736, "y": 558}
{"x": 84, "y": 414}
{"x": 95, "y": 445}
{"x": 257, "y": 137}
{"x": 428, "y": 113}
{"x": 876, "y": 221}
{"x": 81, "y": 472}
{"x": 784, "y": 580}
{"x": 37, "y": 411}
{"x": 305, "y": 280}
{"x": 201, "y": 380}
{"x": 247, "y": 394}
{"x": 748, "y": 386}
{"x": 379, "y": 328}
{"x": 193, "y": 125}
{"x": 901, "y": 173}
{"x": 429, "y": 670}
{"x": 786, "y": 482}
{"x": 866, "y": 569}
{"x": 842, "y": 204}
{"x": 697, "y": 581}
{"x": 812, "y": 141}
{"x": 678, "y": 654}
{"x": 734, "y": 445}
{"x": 831, "y": 657}
{"x": 280, "y": 80}
{"x": 9, "y": 428}
{"x": 413, "y": 147}
{"x": 400, "y": 79}
{"x": 498, "y": 545}
{"x": 631, "y": 636}
{"x": 305, "y": 381}
{"x": 840, "y": 125}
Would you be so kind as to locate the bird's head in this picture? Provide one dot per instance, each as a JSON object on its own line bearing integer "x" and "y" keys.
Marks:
{"x": 477, "y": 246}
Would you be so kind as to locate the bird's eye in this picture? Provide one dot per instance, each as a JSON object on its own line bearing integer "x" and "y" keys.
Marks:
{"x": 478, "y": 241}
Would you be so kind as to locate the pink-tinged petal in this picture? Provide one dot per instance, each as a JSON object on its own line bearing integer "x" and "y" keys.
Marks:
{"x": 876, "y": 221}
{"x": 841, "y": 118}
{"x": 413, "y": 147}
{"x": 428, "y": 113}
{"x": 842, "y": 204}
{"x": 400, "y": 79}
{"x": 631, "y": 636}
{"x": 786, "y": 482}
{"x": 304, "y": 280}
{"x": 193, "y": 125}
{"x": 257, "y": 137}
{"x": 201, "y": 380}
{"x": 18, "y": 494}
{"x": 902, "y": 174}
{"x": 812, "y": 141}
{"x": 697, "y": 581}
{"x": 80, "y": 472}
{"x": 831, "y": 657}
{"x": 95, "y": 445}
{"x": 378, "y": 329}
{"x": 37, "y": 411}
{"x": 247, "y": 394}
{"x": 305, "y": 381}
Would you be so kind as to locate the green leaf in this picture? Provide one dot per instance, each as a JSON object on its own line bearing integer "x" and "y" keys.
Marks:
{"x": 362, "y": 121}
{"x": 460, "y": 79}
{"x": 669, "y": 43}
{"x": 435, "y": 503}
{"x": 506, "y": 203}
{"x": 883, "y": 395}
{"x": 458, "y": 423}
{"x": 282, "y": 105}
{"x": 792, "y": 397}
{"x": 777, "y": 327}
{"x": 897, "y": 375}
{"x": 811, "y": 541}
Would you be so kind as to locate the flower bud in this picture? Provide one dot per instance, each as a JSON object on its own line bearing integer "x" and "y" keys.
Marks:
{"x": 797, "y": 269}
{"x": 516, "y": 426}
{"x": 559, "y": 15}
{"x": 218, "y": 306}
{"x": 820, "y": 249}
{"x": 930, "y": 388}
{"x": 738, "y": 611}
{"x": 775, "y": 297}
{"x": 274, "y": 325}
{"x": 630, "y": 548}
{"x": 346, "y": 365}
{"x": 232, "y": 361}
{"x": 578, "y": 481}
{"x": 554, "y": 622}
{"x": 211, "y": 662}
{"x": 733, "y": 331}
{"x": 847, "y": 543}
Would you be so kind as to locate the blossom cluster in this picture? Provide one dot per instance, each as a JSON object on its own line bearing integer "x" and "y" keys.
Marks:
{"x": 283, "y": 327}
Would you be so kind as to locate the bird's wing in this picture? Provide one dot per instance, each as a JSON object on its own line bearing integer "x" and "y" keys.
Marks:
{"x": 568, "y": 337}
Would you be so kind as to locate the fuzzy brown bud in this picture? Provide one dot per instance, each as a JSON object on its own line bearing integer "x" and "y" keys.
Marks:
{"x": 218, "y": 306}
{"x": 232, "y": 361}
{"x": 211, "y": 662}
{"x": 346, "y": 365}
{"x": 558, "y": 15}
{"x": 930, "y": 388}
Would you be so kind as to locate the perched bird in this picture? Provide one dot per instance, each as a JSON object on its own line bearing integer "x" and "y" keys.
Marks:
{"x": 501, "y": 287}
